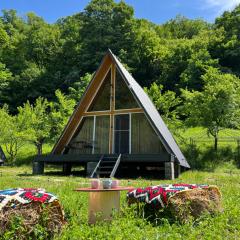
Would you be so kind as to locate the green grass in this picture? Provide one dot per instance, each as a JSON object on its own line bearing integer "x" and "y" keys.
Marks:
{"x": 129, "y": 224}
{"x": 227, "y": 137}
{"x": 27, "y": 153}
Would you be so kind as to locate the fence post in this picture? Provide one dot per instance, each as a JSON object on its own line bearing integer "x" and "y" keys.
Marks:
{"x": 192, "y": 153}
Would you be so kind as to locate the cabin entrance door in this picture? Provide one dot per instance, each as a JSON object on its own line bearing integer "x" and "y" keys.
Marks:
{"x": 121, "y": 134}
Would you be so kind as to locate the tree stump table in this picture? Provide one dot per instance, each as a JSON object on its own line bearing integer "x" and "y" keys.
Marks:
{"x": 102, "y": 202}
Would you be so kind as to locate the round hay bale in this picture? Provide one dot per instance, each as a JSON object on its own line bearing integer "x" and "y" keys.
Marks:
{"x": 29, "y": 213}
{"x": 26, "y": 220}
{"x": 193, "y": 203}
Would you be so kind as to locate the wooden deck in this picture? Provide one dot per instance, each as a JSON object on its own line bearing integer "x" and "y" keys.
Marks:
{"x": 162, "y": 165}
{"x": 85, "y": 158}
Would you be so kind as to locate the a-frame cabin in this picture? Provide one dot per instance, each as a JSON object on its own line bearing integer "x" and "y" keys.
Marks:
{"x": 115, "y": 128}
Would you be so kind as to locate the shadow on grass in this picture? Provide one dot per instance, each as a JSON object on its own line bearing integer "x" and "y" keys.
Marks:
{"x": 162, "y": 216}
{"x": 207, "y": 159}
{"x": 53, "y": 173}
{"x": 156, "y": 216}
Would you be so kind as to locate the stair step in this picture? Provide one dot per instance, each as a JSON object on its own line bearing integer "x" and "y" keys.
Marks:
{"x": 108, "y": 161}
{"x": 104, "y": 167}
{"x": 110, "y": 157}
{"x": 103, "y": 172}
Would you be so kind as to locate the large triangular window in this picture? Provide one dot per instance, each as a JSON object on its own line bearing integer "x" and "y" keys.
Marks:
{"x": 144, "y": 138}
{"x": 82, "y": 142}
{"x": 123, "y": 96}
{"x": 101, "y": 101}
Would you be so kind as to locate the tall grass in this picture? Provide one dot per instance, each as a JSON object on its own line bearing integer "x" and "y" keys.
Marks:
{"x": 129, "y": 223}
{"x": 198, "y": 148}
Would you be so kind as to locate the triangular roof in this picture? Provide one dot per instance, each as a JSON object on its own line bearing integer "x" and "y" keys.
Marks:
{"x": 142, "y": 99}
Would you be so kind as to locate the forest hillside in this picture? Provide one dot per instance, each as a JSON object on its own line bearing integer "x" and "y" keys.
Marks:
{"x": 190, "y": 68}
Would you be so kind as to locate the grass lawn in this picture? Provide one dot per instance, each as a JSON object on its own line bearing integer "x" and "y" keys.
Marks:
{"x": 129, "y": 224}
{"x": 227, "y": 137}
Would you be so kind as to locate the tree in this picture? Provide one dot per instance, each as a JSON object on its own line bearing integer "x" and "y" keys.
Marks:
{"x": 198, "y": 64}
{"x": 36, "y": 121}
{"x": 229, "y": 53}
{"x": 12, "y": 134}
{"x": 43, "y": 121}
{"x": 105, "y": 24}
{"x": 5, "y": 80}
{"x": 217, "y": 106}
{"x": 182, "y": 27}
{"x": 61, "y": 110}
{"x": 167, "y": 104}
{"x": 78, "y": 88}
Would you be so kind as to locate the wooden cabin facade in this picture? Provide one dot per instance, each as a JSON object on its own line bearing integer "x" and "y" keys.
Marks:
{"x": 115, "y": 128}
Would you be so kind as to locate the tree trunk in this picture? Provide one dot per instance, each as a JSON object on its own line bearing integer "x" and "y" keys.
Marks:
{"x": 39, "y": 149}
{"x": 216, "y": 143}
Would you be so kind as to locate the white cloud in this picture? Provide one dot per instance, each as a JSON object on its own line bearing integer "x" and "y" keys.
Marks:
{"x": 222, "y": 5}
{"x": 217, "y": 7}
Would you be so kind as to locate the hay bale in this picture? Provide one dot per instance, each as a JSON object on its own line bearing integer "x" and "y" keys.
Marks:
{"x": 29, "y": 213}
{"x": 48, "y": 217}
{"x": 193, "y": 203}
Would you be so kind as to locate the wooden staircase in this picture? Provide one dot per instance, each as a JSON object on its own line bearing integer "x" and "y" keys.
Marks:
{"x": 106, "y": 167}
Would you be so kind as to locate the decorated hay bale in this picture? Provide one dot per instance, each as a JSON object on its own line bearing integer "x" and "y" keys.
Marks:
{"x": 193, "y": 203}
{"x": 30, "y": 213}
{"x": 184, "y": 201}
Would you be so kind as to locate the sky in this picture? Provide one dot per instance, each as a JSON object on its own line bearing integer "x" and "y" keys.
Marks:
{"x": 157, "y": 11}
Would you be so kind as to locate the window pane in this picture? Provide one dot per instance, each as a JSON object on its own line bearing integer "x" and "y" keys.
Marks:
{"x": 121, "y": 142}
{"x": 123, "y": 97}
{"x": 82, "y": 142}
{"x": 121, "y": 133}
{"x": 122, "y": 122}
{"x": 143, "y": 137}
{"x": 101, "y": 101}
{"x": 101, "y": 143}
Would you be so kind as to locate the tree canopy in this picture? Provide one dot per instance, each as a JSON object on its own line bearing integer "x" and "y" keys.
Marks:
{"x": 183, "y": 61}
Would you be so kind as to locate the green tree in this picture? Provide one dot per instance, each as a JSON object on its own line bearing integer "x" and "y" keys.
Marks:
{"x": 79, "y": 87}
{"x": 182, "y": 27}
{"x": 5, "y": 81}
{"x": 61, "y": 110}
{"x": 167, "y": 104}
{"x": 175, "y": 62}
{"x": 36, "y": 121}
{"x": 43, "y": 41}
{"x": 198, "y": 64}
{"x": 105, "y": 24}
{"x": 12, "y": 134}
{"x": 229, "y": 49}
{"x": 217, "y": 106}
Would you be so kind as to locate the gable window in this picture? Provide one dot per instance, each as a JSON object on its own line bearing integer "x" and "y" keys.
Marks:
{"x": 123, "y": 96}
{"x": 101, "y": 102}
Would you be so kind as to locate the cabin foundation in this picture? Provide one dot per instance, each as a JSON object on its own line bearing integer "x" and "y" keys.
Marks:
{"x": 67, "y": 168}
{"x": 177, "y": 170}
{"x": 38, "y": 168}
{"x": 169, "y": 170}
{"x": 90, "y": 168}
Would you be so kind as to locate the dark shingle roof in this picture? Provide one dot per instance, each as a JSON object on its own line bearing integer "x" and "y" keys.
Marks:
{"x": 152, "y": 113}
